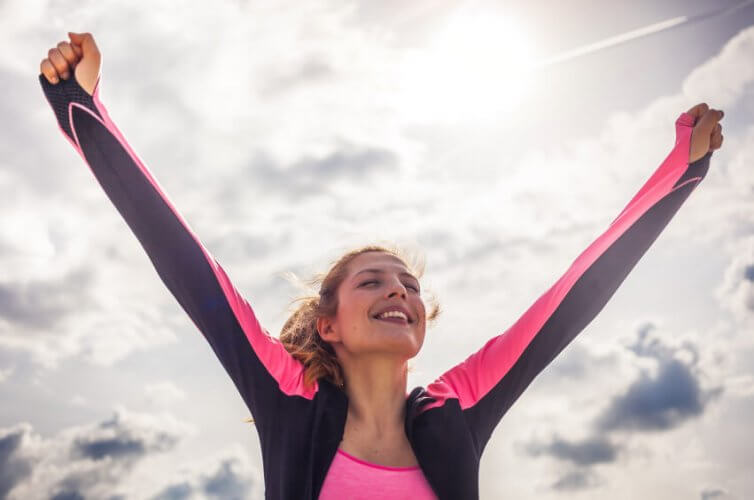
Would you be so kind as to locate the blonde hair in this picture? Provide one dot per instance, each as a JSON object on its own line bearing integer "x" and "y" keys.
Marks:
{"x": 299, "y": 334}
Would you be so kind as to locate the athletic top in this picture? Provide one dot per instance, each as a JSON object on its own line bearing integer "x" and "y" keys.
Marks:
{"x": 449, "y": 422}
{"x": 356, "y": 479}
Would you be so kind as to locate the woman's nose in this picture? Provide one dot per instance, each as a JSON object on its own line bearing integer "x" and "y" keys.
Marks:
{"x": 396, "y": 287}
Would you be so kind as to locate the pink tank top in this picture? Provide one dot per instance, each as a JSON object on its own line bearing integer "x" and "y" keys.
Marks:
{"x": 353, "y": 478}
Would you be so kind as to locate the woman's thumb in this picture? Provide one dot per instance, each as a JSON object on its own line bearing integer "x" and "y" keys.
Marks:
{"x": 83, "y": 40}
{"x": 87, "y": 69}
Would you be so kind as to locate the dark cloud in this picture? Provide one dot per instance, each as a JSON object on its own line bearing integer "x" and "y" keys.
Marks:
{"x": 656, "y": 403}
{"x": 227, "y": 481}
{"x": 231, "y": 479}
{"x": 112, "y": 447}
{"x": 178, "y": 491}
{"x": 67, "y": 495}
{"x": 582, "y": 454}
{"x": 310, "y": 176}
{"x": 13, "y": 467}
{"x": 749, "y": 272}
{"x": 88, "y": 459}
{"x": 714, "y": 494}
{"x": 592, "y": 450}
{"x": 647, "y": 346}
{"x": 42, "y": 304}
{"x": 575, "y": 480}
{"x": 651, "y": 403}
{"x": 117, "y": 439}
{"x": 663, "y": 401}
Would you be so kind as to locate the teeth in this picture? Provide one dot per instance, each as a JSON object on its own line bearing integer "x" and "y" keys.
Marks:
{"x": 393, "y": 314}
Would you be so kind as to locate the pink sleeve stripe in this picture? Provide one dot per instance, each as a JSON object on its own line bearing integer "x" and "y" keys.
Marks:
{"x": 473, "y": 378}
{"x": 284, "y": 368}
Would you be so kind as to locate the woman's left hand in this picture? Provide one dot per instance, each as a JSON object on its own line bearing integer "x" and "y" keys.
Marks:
{"x": 708, "y": 133}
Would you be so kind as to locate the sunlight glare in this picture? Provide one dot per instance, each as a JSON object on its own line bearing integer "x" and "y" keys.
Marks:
{"x": 475, "y": 68}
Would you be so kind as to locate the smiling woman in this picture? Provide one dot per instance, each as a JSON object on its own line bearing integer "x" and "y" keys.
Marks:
{"x": 358, "y": 332}
{"x": 329, "y": 397}
{"x": 301, "y": 332}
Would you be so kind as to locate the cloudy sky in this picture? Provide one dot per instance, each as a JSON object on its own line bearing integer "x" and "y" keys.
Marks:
{"x": 288, "y": 132}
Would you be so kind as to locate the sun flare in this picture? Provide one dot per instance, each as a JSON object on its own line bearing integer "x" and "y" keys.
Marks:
{"x": 475, "y": 67}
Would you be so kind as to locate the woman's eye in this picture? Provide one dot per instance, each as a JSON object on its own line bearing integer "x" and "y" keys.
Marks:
{"x": 407, "y": 285}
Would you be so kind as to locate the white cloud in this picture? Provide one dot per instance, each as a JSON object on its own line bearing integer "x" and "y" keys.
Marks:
{"x": 726, "y": 78}
{"x": 163, "y": 393}
{"x": 736, "y": 291}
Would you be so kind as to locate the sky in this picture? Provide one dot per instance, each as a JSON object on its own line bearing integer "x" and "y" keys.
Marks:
{"x": 287, "y": 133}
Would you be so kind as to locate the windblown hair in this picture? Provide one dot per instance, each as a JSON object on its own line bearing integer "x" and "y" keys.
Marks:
{"x": 299, "y": 334}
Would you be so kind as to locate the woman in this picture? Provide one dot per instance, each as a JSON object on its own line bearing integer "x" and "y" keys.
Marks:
{"x": 329, "y": 398}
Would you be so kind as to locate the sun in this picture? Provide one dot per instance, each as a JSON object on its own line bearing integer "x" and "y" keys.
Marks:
{"x": 476, "y": 67}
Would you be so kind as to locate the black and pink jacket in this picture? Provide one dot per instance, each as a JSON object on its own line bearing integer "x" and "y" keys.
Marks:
{"x": 449, "y": 422}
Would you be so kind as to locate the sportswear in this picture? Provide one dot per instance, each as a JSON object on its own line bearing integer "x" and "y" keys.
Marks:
{"x": 356, "y": 479}
{"x": 449, "y": 422}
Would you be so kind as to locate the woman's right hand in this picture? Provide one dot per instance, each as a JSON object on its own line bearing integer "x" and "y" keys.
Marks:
{"x": 707, "y": 134}
{"x": 80, "y": 57}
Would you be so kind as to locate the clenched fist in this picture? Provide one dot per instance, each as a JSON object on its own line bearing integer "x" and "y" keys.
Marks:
{"x": 708, "y": 133}
{"x": 80, "y": 58}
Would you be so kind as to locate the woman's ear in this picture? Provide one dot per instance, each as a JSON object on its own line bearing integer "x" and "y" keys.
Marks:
{"x": 324, "y": 328}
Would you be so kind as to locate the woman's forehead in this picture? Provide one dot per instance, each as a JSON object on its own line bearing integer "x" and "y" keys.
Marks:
{"x": 377, "y": 260}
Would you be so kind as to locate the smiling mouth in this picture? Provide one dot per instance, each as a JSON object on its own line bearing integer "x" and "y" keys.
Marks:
{"x": 397, "y": 321}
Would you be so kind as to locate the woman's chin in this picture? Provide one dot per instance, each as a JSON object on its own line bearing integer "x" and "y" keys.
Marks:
{"x": 405, "y": 341}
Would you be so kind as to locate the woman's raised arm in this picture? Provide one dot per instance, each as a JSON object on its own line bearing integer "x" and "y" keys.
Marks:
{"x": 489, "y": 381}
{"x": 258, "y": 364}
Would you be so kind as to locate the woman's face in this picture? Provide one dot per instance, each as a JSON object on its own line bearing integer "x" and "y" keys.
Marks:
{"x": 378, "y": 282}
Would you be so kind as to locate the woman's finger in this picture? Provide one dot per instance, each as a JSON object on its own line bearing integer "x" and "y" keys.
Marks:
{"x": 68, "y": 53}
{"x": 708, "y": 121}
{"x": 698, "y": 110}
{"x": 49, "y": 71}
{"x": 714, "y": 139}
{"x": 61, "y": 65}
{"x": 78, "y": 50}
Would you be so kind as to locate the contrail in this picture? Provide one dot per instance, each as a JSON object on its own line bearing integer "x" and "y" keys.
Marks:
{"x": 634, "y": 34}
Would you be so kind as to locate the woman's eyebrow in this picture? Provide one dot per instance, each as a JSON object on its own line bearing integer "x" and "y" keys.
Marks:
{"x": 380, "y": 271}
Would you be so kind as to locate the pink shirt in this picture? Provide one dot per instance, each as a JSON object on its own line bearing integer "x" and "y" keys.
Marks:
{"x": 355, "y": 479}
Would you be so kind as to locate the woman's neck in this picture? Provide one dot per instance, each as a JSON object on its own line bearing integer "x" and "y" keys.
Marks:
{"x": 376, "y": 390}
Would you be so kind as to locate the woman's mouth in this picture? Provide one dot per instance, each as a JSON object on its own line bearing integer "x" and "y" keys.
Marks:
{"x": 392, "y": 317}
{"x": 398, "y": 321}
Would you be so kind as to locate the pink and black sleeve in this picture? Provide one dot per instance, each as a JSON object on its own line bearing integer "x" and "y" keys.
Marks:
{"x": 259, "y": 366}
{"x": 489, "y": 381}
